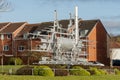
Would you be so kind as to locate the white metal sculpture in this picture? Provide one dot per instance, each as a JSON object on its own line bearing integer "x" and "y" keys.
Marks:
{"x": 64, "y": 43}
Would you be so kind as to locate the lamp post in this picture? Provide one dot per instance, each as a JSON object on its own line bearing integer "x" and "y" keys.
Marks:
{"x": 29, "y": 50}
{"x": 14, "y": 49}
{"x": 111, "y": 61}
{"x": 2, "y": 38}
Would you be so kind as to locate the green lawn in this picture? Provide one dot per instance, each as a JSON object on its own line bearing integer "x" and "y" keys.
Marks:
{"x": 6, "y": 68}
{"x": 107, "y": 77}
{"x": 19, "y": 77}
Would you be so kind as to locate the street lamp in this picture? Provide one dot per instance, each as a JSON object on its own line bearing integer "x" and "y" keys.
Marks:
{"x": 13, "y": 48}
{"x": 2, "y": 38}
{"x": 111, "y": 58}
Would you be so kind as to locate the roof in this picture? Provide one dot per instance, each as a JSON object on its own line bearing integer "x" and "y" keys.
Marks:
{"x": 115, "y": 45}
{"x": 65, "y": 23}
{"x": 43, "y": 25}
{"x": 87, "y": 25}
{"x": 83, "y": 24}
{"x": 28, "y": 29}
{"x": 12, "y": 27}
{"x": 3, "y": 24}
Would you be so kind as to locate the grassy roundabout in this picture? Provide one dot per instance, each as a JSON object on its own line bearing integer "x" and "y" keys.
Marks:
{"x": 33, "y": 77}
{"x": 14, "y": 77}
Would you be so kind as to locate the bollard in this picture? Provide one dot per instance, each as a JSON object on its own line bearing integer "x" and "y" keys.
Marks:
{"x": 10, "y": 71}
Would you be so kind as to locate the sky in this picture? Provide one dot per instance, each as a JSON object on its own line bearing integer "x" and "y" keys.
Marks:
{"x": 37, "y": 11}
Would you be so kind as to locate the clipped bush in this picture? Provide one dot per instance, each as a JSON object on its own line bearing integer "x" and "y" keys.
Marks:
{"x": 117, "y": 71}
{"x": 36, "y": 70}
{"x": 79, "y": 71}
{"x": 103, "y": 72}
{"x": 12, "y": 61}
{"x": 94, "y": 71}
{"x": 26, "y": 70}
{"x": 43, "y": 71}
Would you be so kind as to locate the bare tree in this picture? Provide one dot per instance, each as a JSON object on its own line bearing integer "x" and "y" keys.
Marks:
{"x": 5, "y": 5}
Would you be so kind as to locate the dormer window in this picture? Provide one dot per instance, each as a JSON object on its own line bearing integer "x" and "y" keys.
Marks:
{"x": 83, "y": 33}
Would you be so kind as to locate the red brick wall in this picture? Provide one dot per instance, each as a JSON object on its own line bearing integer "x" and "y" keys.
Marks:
{"x": 92, "y": 45}
{"x": 102, "y": 44}
{"x": 98, "y": 50}
{"x": 8, "y": 42}
{"x": 24, "y": 54}
{"x": 18, "y": 43}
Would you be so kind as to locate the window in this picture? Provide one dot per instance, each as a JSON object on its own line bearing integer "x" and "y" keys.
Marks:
{"x": 8, "y": 36}
{"x": 6, "y": 48}
{"x": 83, "y": 32}
{"x": 25, "y": 36}
{"x": 21, "y": 48}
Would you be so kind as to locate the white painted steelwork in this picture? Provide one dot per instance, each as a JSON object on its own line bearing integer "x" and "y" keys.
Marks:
{"x": 64, "y": 46}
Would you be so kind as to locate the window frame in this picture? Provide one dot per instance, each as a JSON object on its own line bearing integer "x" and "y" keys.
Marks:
{"x": 9, "y": 36}
{"x": 5, "y": 48}
{"x": 21, "y": 48}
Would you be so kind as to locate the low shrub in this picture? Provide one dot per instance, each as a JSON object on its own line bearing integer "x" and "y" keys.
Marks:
{"x": 117, "y": 71}
{"x": 36, "y": 70}
{"x": 103, "y": 72}
{"x": 43, "y": 71}
{"x": 79, "y": 71}
{"x": 26, "y": 70}
{"x": 12, "y": 61}
{"x": 94, "y": 71}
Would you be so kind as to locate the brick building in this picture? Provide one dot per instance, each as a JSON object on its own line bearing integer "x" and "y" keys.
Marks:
{"x": 14, "y": 42}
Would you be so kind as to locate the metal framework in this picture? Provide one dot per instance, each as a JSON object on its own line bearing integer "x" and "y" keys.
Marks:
{"x": 65, "y": 44}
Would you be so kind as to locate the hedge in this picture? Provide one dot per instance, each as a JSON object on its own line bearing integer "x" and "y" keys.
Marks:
{"x": 117, "y": 71}
{"x": 12, "y": 61}
{"x": 95, "y": 71}
{"x": 103, "y": 72}
{"x": 79, "y": 71}
{"x": 26, "y": 70}
{"x": 43, "y": 71}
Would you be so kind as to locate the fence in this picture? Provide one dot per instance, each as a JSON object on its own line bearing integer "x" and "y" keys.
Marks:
{"x": 57, "y": 72}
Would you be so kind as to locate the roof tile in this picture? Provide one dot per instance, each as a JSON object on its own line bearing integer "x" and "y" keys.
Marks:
{"x": 12, "y": 27}
{"x": 84, "y": 24}
{"x": 3, "y": 24}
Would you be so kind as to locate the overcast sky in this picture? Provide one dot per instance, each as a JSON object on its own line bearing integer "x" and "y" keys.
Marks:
{"x": 36, "y": 11}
